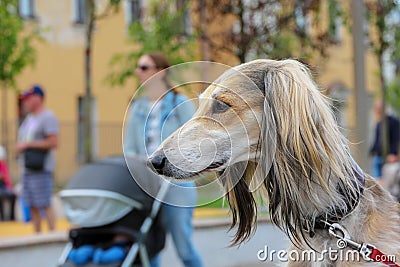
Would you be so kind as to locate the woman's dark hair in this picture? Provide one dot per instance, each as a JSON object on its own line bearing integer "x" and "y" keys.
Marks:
{"x": 159, "y": 59}
{"x": 162, "y": 63}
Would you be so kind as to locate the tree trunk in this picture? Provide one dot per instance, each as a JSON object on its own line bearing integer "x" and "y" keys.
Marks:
{"x": 361, "y": 100}
{"x": 205, "y": 45}
{"x": 382, "y": 12}
{"x": 384, "y": 121}
{"x": 88, "y": 131}
{"x": 4, "y": 120}
{"x": 241, "y": 46}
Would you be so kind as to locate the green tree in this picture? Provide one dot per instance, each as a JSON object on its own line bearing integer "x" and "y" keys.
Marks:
{"x": 269, "y": 28}
{"x": 93, "y": 15}
{"x": 16, "y": 53}
{"x": 393, "y": 88}
{"x": 393, "y": 94}
{"x": 384, "y": 40}
{"x": 384, "y": 32}
{"x": 165, "y": 29}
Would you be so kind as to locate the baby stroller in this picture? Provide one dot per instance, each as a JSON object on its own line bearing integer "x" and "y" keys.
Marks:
{"x": 113, "y": 214}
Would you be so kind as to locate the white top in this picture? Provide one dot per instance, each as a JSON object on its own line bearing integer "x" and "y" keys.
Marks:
{"x": 153, "y": 134}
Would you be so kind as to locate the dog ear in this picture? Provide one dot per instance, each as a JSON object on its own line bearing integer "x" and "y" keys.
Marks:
{"x": 309, "y": 149}
{"x": 291, "y": 105}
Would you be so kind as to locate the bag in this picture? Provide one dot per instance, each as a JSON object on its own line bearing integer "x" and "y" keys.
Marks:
{"x": 34, "y": 159}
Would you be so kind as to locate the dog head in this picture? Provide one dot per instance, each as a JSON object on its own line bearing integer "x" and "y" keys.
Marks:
{"x": 264, "y": 123}
{"x": 224, "y": 130}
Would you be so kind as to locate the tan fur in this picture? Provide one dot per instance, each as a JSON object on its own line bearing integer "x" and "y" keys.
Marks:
{"x": 279, "y": 135}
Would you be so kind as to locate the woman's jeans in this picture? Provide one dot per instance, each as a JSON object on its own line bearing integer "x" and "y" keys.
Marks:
{"x": 178, "y": 221}
{"x": 377, "y": 164}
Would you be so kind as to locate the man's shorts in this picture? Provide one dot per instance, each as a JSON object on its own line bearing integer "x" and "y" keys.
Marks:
{"x": 38, "y": 189}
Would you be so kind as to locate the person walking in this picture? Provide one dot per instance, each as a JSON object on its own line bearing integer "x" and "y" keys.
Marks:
{"x": 152, "y": 117}
{"x": 393, "y": 138}
{"x": 37, "y": 140}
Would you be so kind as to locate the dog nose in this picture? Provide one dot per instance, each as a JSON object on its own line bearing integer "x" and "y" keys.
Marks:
{"x": 158, "y": 162}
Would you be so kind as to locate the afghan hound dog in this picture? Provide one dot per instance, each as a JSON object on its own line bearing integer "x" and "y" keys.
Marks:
{"x": 264, "y": 127}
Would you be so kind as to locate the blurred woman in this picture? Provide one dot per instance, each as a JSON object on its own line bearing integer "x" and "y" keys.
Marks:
{"x": 152, "y": 117}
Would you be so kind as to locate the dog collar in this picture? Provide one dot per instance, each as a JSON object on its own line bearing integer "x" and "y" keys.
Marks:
{"x": 339, "y": 213}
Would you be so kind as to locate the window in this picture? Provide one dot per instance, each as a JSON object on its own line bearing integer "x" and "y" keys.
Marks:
{"x": 336, "y": 34}
{"x": 79, "y": 11}
{"x": 335, "y": 21}
{"x": 26, "y": 9}
{"x": 182, "y": 6}
{"x": 21, "y": 112}
{"x": 365, "y": 26}
{"x": 303, "y": 22}
{"x": 133, "y": 11}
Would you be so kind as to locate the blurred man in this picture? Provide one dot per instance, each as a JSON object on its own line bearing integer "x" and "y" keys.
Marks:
{"x": 37, "y": 139}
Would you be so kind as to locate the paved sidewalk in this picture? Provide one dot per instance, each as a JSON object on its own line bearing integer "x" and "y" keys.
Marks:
{"x": 212, "y": 243}
{"x": 17, "y": 233}
{"x": 20, "y": 229}
{"x": 203, "y": 217}
{"x": 20, "y": 247}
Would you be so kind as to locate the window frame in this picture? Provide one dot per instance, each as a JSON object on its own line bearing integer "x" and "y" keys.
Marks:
{"x": 335, "y": 29}
{"x": 187, "y": 20}
{"x": 79, "y": 9}
{"x": 133, "y": 11}
{"x": 26, "y": 9}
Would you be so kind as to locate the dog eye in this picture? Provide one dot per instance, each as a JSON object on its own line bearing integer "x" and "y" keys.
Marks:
{"x": 220, "y": 107}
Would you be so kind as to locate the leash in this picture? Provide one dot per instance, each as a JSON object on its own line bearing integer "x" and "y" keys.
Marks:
{"x": 367, "y": 251}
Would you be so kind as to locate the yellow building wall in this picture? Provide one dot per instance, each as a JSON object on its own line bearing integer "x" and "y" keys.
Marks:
{"x": 339, "y": 67}
{"x": 59, "y": 69}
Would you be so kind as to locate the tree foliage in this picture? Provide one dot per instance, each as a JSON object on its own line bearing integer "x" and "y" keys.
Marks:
{"x": 93, "y": 15}
{"x": 393, "y": 43}
{"x": 384, "y": 33}
{"x": 16, "y": 51}
{"x": 270, "y": 28}
{"x": 383, "y": 36}
{"x": 164, "y": 29}
{"x": 393, "y": 94}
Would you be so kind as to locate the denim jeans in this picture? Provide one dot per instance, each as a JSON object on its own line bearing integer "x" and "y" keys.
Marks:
{"x": 377, "y": 164}
{"x": 178, "y": 221}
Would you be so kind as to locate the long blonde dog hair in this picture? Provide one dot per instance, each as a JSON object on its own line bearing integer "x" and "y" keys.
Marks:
{"x": 312, "y": 172}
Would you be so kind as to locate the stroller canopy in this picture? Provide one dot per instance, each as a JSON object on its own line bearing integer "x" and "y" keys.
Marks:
{"x": 104, "y": 191}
